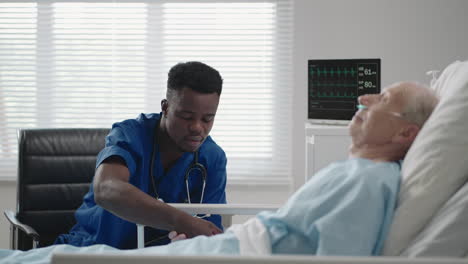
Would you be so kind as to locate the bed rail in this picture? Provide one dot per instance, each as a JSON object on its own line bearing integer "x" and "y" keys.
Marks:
{"x": 61, "y": 258}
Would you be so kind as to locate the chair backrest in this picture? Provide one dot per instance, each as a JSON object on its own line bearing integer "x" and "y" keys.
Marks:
{"x": 55, "y": 169}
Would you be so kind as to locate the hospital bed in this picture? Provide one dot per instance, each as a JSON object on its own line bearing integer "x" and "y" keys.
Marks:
{"x": 236, "y": 209}
{"x": 432, "y": 213}
{"x": 460, "y": 202}
{"x": 278, "y": 259}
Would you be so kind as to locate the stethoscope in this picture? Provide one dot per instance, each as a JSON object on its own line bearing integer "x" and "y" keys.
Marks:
{"x": 194, "y": 166}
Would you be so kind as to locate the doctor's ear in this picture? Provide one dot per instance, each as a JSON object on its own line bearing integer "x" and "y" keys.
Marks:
{"x": 164, "y": 106}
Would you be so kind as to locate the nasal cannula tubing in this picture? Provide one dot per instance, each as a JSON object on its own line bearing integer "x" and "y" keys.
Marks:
{"x": 363, "y": 107}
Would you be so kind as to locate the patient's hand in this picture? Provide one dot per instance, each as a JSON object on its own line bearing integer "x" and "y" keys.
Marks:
{"x": 191, "y": 226}
{"x": 173, "y": 236}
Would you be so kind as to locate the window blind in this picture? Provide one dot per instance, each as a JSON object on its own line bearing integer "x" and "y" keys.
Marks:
{"x": 93, "y": 63}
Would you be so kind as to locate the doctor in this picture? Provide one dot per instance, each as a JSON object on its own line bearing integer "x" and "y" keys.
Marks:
{"x": 145, "y": 164}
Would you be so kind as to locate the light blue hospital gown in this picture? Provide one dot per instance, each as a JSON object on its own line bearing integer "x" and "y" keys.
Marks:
{"x": 345, "y": 209}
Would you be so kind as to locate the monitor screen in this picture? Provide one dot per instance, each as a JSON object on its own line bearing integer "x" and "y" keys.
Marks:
{"x": 335, "y": 85}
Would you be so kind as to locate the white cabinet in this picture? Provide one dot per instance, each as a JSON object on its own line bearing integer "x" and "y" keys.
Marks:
{"x": 325, "y": 144}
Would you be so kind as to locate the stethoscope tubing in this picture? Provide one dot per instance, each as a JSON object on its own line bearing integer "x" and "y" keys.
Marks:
{"x": 195, "y": 165}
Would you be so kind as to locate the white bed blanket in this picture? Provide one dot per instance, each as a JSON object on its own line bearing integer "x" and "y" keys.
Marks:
{"x": 253, "y": 237}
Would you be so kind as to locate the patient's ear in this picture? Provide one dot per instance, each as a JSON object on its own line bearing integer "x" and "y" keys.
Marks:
{"x": 407, "y": 134}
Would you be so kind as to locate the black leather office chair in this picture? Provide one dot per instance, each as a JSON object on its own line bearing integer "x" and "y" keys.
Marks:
{"x": 55, "y": 169}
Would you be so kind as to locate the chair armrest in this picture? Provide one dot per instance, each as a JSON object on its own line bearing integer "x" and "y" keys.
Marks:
{"x": 225, "y": 209}
{"x": 11, "y": 217}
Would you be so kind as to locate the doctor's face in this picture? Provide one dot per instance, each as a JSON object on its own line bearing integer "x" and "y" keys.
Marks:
{"x": 190, "y": 117}
{"x": 382, "y": 119}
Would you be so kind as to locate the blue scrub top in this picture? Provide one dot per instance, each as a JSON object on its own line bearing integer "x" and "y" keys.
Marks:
{"x": 133, "y": 141}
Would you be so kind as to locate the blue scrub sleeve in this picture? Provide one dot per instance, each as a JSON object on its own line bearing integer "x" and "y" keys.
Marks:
{"x": 116, "y": 151}
{"x": 120, "y": 142}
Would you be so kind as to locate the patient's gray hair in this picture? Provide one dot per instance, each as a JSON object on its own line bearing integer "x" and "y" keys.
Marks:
{"x": 419, "y": 106}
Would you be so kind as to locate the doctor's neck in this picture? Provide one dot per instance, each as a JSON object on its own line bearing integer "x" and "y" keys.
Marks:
{"x": 165, "y": 142}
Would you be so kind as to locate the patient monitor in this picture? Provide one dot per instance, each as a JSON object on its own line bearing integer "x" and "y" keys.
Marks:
{"x": 334, "y": 86}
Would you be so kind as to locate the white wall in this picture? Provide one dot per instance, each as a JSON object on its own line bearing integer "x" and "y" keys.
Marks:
{"x": 410, "y": 36}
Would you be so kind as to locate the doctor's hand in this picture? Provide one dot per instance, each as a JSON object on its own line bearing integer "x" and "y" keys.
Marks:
{"x": 193, "y": 226}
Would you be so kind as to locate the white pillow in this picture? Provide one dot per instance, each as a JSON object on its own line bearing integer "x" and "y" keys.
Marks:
{"x": 447, "y": 234}
{"x": 446, "y": 75}
{"x": 437, "y": 163}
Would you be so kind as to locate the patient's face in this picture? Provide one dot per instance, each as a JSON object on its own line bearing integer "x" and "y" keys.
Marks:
{"x": 377, "y": 124}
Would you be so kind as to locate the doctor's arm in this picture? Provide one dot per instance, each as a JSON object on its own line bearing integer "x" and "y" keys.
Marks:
{"x": 216, "y": 193}
{"x": 113, "y": 192}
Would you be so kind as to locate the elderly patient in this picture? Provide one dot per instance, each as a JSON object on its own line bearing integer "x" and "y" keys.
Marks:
{"x": 345, "y": 209}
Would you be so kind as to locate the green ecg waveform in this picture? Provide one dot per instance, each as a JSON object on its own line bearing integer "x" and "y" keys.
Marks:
{"x": 319, "y": 84}
{"x": 331, "y": 72}
{"x": 333, "y": 95}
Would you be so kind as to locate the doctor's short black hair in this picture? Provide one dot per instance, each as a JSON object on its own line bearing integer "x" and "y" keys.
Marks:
{"x": 196, "y": 76}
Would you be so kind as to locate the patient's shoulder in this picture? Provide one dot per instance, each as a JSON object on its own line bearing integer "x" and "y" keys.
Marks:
{"x": 374, "y": 173}
{"x": 357, "y": 171}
